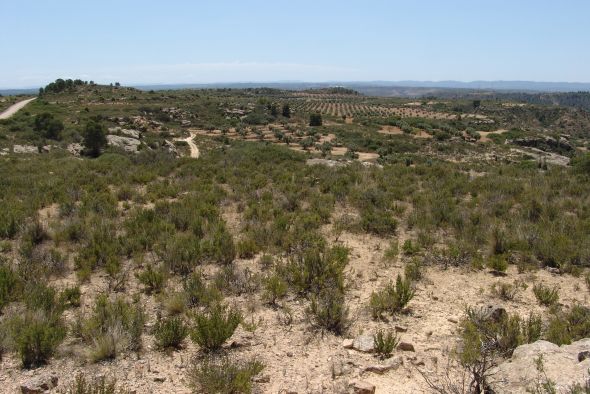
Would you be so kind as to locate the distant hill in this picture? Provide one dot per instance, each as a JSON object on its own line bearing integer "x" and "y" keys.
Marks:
{"x": 391, "y": 88}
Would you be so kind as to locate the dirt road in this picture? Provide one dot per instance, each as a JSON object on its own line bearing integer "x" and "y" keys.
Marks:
{"x": 14, "y": 108}
{"x": 194, "y": 148}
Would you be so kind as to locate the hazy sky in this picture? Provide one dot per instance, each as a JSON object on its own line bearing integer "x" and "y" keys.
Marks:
{"x": 173, "y": 41}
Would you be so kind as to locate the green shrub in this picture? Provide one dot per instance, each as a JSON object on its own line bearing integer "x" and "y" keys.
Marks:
{"x": 175, "y": 303}
{"x": 410, "y": 248}
{"x": 218, "y": 247}
{"x": 413, "y": 270}
{"x": 505, "y": 291}
{"x": 214, "y": 326}
{"x": 314, "y": 269}
{"x": 328, "y": 310}
{"x": 497, "y": 263}
{"x": 578, "y": 320}
{"x": 99, "y": 385}
{"x": 152, "y": 280}
{"x": 557, "y": 332}
{"x": 391, "y": 299}
{"x": 385, "y": 343}
{"x": 545, "y": 295}
{"x": 198, "y": 293}
{"x": 181, "y": 253}
{"x": 315, "y": 120}
{"x": 274, "y": 289}
{"x": 70, "y": 296}
{"x": 8, "y": 285}
{"x": 36, "y": 335}
{"x": 500, "y": 331}
{"x": 392, "y": 251}
{"x": 170, "y": 332}
{"x": 114, "y": 326}
{"x": 246, "y": 248}
{"x": 108, "y": 344}
{"x": 266, "y": 262}
{"x": 39, "y": 296}
{"x": 378, "y": 222}
{"x": 223, "y": 376}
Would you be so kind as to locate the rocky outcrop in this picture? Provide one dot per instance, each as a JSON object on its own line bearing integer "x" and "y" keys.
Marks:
{"x": 547, "y": 144}
{"x": 126, "y": 132}
{"x": 564, "y": 365}
{"x": 126, "y": 143}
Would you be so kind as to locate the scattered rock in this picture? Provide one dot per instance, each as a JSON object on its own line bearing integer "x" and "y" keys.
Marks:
{"x": 583, "y": 355}
{"x": 75, "y": 149}
{"x": 453, "y": 320}
{"x": 495, "y": 313}
{"x": 347, "y": 343}
{"x": 125, "y": 143}
{"x": 340, "y": 368}
{"x": 362, "y": 387}
{"x": 401, "y": 329}
{"x": 39, "y": 384}
{"x": 553, "y": 270}
{"x": 25, "y": 149}
{"x": 364, "y": 343}
{"x": 325, "y": 162}
{"x": 261, "y": 379}
{"x": 159, "y": 379}
{"x": 406, "y": 347}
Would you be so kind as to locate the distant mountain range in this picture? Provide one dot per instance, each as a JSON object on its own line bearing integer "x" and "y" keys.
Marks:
{"x": 379, "y": 88}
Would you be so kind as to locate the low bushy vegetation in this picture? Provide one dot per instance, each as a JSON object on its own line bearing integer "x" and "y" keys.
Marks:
{"x": 393, "y": 298}
{"x": 170, "y": 332}
{"x": 214, "y": 326}
{"x": 385, "y": 343}
{"x": 546, "y": 296}
{"x": 223, "y": 375}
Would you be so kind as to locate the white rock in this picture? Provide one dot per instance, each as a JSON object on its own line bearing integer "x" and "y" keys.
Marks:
{"x": 125, "y": 143}
{"x": 560, "y": 364}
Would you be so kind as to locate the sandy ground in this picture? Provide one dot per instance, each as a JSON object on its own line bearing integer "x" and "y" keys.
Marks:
{"x": 15, "y": 108}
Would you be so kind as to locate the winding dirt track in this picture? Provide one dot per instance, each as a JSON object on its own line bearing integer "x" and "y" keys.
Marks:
{"x": 14, "y": 108}
{"x": 194, "y": 148}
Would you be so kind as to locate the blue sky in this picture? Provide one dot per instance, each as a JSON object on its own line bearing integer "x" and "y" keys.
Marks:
{"x": 173, "y": 41}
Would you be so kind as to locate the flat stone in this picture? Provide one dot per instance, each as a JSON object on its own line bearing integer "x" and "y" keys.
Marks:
{"x": 347, "y": 343}
{"x": 401, "y": 329}
{"x": 362, "y": 387}
{"x": 406, "y": 347}
{"x": 364, "y": 343}
{"x": 392, "y": 364}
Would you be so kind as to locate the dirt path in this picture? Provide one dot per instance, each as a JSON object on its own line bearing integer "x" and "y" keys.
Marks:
{"x": 14, "y": 108}
{"x": 194, "y": 148}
